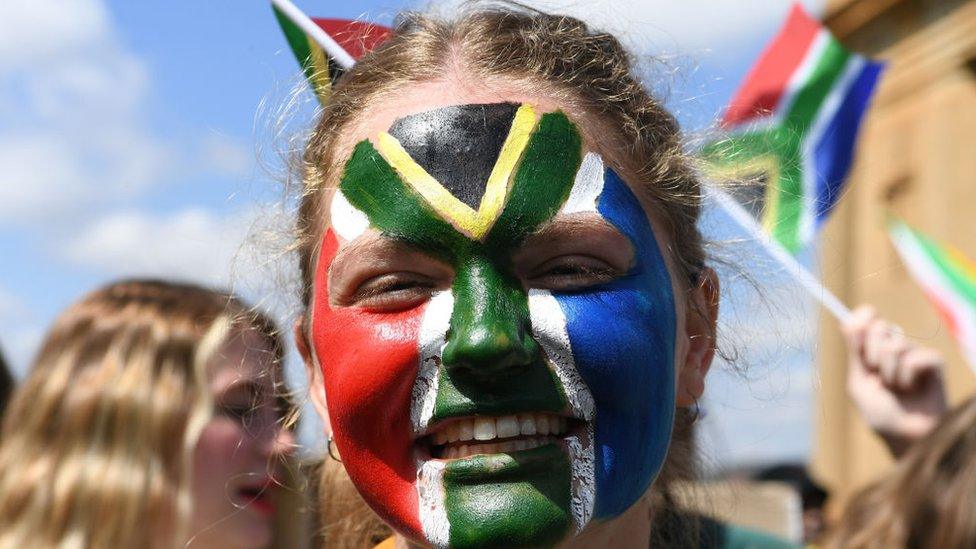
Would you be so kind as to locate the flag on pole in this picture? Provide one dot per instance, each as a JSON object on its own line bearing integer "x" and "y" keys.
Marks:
{"x": 325, "y": 48}
{"x": 947, "y": 278}
{"x": 792, "y": 124}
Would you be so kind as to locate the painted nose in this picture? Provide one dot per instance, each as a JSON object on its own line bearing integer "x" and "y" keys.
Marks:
{"x": 490, "y": 332}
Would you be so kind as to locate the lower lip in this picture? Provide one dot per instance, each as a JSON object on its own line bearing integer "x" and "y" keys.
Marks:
{"x": 261, "y": 504}
{"x": 483, "y": 468}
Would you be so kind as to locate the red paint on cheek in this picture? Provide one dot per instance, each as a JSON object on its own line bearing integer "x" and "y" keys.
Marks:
{"x": 369, "y": 362}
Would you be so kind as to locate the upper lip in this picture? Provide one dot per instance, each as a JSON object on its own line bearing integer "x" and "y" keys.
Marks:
{"x": 488, "y": 427}
{"x": 260, "y": 484}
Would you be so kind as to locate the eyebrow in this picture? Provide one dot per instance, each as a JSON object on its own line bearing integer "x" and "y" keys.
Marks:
{"x": 573, "y": 223}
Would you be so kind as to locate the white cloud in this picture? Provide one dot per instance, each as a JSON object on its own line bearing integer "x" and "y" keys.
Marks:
{"x": 192, "y": 244}
{"x": 35, "y": 31}
{"x": 72, "y": 98}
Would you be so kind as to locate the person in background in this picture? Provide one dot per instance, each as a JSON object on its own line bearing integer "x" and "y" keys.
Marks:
{"x": 928, "y": 500}
{"x": 6, "y": 383}
{"x": 812, "y": 495}
{"x": 150, "y": 418}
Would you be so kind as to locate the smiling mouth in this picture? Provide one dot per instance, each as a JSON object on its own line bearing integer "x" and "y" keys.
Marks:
{"x": 464, "y": 437}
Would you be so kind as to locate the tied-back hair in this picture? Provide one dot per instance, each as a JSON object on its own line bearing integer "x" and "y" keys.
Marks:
{"x": 98, "y": 440}
{"x": 929, "y": 500}
{"x": 556, "y": 56}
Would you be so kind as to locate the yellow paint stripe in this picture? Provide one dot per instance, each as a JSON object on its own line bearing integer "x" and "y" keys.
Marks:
{"x": 500, "y": 180}
{"x": 456, "y": 212}
{"x": 473, "y": 224}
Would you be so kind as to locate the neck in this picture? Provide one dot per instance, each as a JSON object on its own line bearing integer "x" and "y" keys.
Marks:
{"x": 629, "y": 530}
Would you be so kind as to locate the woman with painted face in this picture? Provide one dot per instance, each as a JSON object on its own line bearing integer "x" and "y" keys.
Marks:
{"x": 149, "y": 419}
{"x": 508, "y": 312}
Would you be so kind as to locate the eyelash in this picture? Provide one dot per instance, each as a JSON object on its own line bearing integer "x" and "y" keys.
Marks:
{"x": 397, "y": 291}
{"x": 573, "y": 273}
{"x": 241, "y": 413}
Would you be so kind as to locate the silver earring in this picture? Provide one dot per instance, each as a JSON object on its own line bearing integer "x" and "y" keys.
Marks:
{"x": 696, "y": 414}
{"x": 334, "y": 454}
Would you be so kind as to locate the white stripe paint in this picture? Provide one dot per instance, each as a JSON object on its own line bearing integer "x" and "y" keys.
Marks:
{"x": 433, "y": 514}
{"x": 586, "y": 187}
{"x": 304, "y": 22}
{"x": 823, "y": 117}
{"x": 582, "y": 470}
{"x": 430, "y": 473}
{"x": 549, "y": 329}
{"x": 348, "y": 221}
{"x": 931, "y": 277}
{"x": 433, "y": 330}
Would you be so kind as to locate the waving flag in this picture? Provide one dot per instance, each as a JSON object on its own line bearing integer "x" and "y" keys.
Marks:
{"x": 948, "y": 279}
{"x": 326, "y": 47}
{"x": 793, "y": 123}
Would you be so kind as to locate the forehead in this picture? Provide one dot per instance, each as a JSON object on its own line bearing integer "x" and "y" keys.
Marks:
{"x": 245, "y": 356}
{"x": 427, "y": 96}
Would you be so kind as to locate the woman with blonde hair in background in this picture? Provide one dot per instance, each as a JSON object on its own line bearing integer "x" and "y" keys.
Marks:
{"x": 150, "y": 418}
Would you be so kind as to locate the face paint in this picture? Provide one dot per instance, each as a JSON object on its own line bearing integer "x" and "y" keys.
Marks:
{"x": 467, "y": 185}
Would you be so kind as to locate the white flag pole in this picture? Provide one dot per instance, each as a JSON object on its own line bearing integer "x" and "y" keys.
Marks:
{"x": 810, "y": 283}
{"x": 304, "y": 22}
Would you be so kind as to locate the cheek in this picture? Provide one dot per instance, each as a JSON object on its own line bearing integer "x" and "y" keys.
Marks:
{"x": 215, "y": 453}
{"x": 623, "y": 350}
{"x": 623, "y": 341}
{"x": 369, "y": 363}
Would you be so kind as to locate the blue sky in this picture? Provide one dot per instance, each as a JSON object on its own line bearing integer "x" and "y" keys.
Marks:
{"x": 135, "y": 140}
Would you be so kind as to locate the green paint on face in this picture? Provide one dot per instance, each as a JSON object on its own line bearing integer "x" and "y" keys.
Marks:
{"x": 542, "y": 182}
{"x": 492, "y": 502}
{"x": 491, "y": 364}
{"x": 370, "y": 184}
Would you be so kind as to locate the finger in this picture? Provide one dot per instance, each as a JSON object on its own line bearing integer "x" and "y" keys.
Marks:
{"x": 875, "y": 337}
{"x": 893, "y": 348}
{"x": 854, "y": 327}
{"x": 920, "y": 364}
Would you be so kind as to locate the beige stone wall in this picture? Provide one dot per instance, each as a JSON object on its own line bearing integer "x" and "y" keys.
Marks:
{"x": 916, "y": 158}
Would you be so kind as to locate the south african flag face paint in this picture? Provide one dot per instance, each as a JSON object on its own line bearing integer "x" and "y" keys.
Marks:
{"x": 518, "y": 399}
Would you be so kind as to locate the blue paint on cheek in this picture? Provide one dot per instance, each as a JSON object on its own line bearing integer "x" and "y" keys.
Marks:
{"x": 622, "y": 335}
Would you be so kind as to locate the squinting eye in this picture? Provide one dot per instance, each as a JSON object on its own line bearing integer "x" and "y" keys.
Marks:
{"x": 394, "y": 292}
{"x": 243, "y": 412}
{"x": 569, "y": 273}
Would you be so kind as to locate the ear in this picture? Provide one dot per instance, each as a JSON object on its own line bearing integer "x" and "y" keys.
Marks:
{"x": 316, "y": 385}
{"x": 700, "y": 323}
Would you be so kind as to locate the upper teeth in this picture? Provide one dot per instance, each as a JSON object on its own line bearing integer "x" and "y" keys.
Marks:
{"x": 489, "y": 428}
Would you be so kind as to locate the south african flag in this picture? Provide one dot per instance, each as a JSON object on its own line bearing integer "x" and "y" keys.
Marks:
{"x": 948, "y": 279}
{"x": 325, "y": 48}
{"x": 792, "y": 124}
